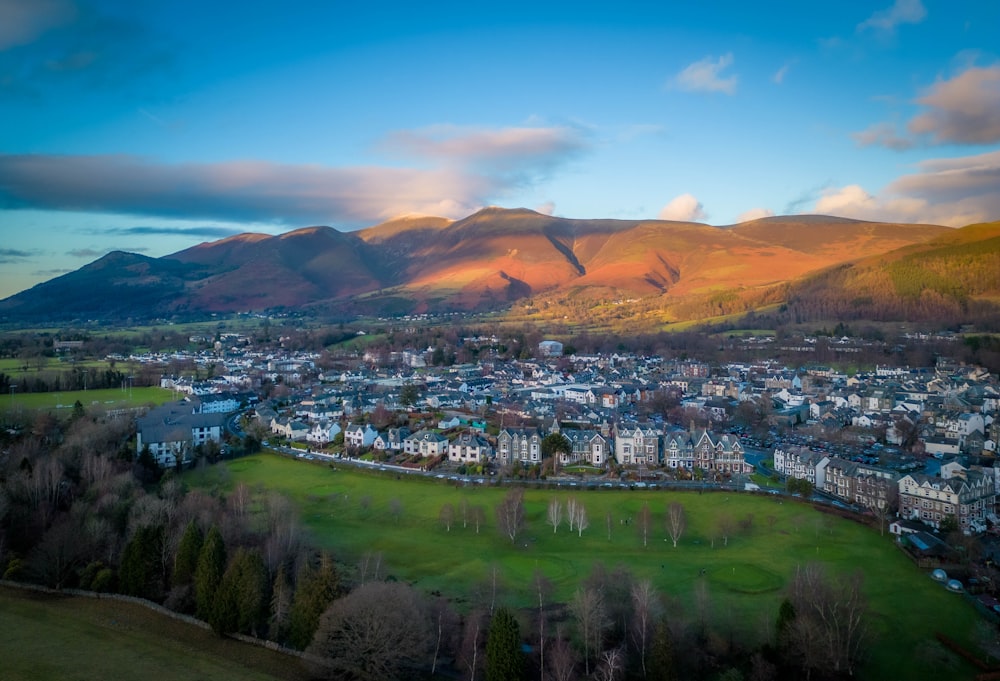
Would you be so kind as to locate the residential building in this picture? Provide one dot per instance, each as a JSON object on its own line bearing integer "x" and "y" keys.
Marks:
{"x": 171, "y": 432}
{"x": 470, "y": 447}
{"x": 967, "y": 496}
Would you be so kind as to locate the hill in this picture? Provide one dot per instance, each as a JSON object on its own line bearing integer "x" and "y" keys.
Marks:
{"x": 482, "y": 262}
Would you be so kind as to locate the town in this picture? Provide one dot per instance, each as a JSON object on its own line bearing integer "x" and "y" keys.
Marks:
{"x": 913, "y": 446}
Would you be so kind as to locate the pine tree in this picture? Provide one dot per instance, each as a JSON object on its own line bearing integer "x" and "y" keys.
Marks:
{"x": 314, "y": 591}
{"x": 208, "y": 573}
{"x": 141, "y": 572}
{"x": 504, "y": 659}
{"x": 186, "y": 558}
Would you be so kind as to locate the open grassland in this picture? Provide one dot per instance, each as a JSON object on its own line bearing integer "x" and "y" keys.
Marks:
{"x": 351, "y": 512}
{"x": 111, "y": 398}
{"x": 50, "y": 637}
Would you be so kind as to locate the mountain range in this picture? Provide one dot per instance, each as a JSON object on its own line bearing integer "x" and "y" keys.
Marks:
{"x": 498, "y": 256}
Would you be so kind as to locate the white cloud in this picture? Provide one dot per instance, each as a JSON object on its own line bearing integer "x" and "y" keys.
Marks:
{"x": 683, "y": 208}
{"x": 547, "y": 208}
{"x": 901, "y": 12}
{"x": 23, "y": 21}
{"x": 754, "y": 214}
{"x": 779, "y": 76}
{"x": 949, "y": 191}
{"x": 964, "y": 109}
{"x": 883, "y": 135}
{"x": 705, "y": 75}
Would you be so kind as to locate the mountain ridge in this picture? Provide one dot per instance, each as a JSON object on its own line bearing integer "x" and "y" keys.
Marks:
{"x": 484, "y": 261}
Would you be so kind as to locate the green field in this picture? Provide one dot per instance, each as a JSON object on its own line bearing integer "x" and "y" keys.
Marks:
{"x": 350, "y": 513}
{"x": 83, "y": 639}
{"x": 112, "y": 398}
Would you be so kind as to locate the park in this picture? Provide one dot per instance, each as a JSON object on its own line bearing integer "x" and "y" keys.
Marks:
{"x": 736, "y": 551}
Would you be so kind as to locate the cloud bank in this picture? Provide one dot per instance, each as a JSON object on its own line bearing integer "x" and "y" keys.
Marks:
{"x": 901, "y": 12}
{"x": 948, "y": 191}
{"x": 470, "y": 168}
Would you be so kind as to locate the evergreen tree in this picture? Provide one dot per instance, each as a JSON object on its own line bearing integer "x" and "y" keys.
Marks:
{"x": 186, "y": 558}
{"x": 504, "y": 659}
{"x": 208, "y": 573}
{"x": 661, "y": 662}
{"x": 315, "y": 589}
{"x": 141, "y": 572}
{"x": 241, "y": 600}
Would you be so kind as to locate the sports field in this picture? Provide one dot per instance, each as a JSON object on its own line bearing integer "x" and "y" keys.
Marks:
{"x": 352, "y": 512}
{"x": 112, "y": 398}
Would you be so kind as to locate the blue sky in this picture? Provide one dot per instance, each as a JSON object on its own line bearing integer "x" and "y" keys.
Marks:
{"x": 150, "y": 127}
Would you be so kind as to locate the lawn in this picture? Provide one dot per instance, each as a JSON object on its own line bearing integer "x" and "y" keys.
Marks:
{"x": 83, "y": 639}
{"x": 112, "y": 398}
{"x": 350, "y": 512}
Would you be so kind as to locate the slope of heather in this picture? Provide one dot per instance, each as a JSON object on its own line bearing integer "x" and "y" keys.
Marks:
{"x": 290, "y": 270}
{"x": 954, "y": 276}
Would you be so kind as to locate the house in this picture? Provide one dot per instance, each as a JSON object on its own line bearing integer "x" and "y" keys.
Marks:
{"x": 720, "y": 453}
{"x": 425, "y": 443}
{"x": 636, "y": 444}
{"x": 966, "y": 496}
{"x": 323, "y": 432}
{"x": 801, "y": 463}
{"x": 469, "y": 447}
{"x": 171, "y": 433}
{"x": 588, "y": 446}
{"x": 356, "y": 435}
{"x": 550, "y": 348}
{"x": 519, "y": 444}
{"x": 391, "y": 440}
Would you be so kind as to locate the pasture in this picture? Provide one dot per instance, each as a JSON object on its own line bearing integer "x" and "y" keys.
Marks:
{"x": 111, "y": 398}
{"x": 51, "y": 637}
{"x": 352, "y": 512}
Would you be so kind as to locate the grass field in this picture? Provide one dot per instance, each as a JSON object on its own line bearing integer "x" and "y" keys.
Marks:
{"x": 49, "y": 637}
{"x": 112, "y": 398}
{"x": 350, "y": 513}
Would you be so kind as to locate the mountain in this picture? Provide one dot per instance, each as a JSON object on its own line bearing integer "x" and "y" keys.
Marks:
{"x": 482, "y": 262}
{"x": 953, "y": 277}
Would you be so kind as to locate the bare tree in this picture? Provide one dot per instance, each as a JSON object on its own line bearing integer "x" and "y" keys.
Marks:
{"x": 582, "y": 522}
{"x": 611, "y": 664}
{"x": 543, "y": 587}
{"x": 370, "y": 567}
{"x": 470, "y": 654}
{"x": 562, "y": 660}
{"x": 646, "y": 611}
{"x": 644, "y": 522}
{"x": 510, "y": 514}
{"x": 447, "y": 516}
{"x": 571, "y": 505}
{"x": 396, "y": 509}
{"x": 676, "y": 521}
{"x": 555, "y": 514}
{"x": 239, "y": 500}
{"x": 829, "y": 624}
{"x": 726, "y": 526}
{"x": 463, "y": 508}
{"x": 590, "y": 611}
{"x": 378, "y": 631}
{"x": 607, "y": 521}
{"x": 478, "y": 517}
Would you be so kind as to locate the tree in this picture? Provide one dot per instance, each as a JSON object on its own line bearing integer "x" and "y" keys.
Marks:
{"x": 554, "y": 444}
{"x": 396, "y": 509}
{"x": 242, "y": 599}
{"x": 611, "y": 664}
{"x": 381, "y": 630}
{"x": 543, "y": 587}
{"x": 208, "y": 573}
{"x": 827, "y": 624}
{"x": 571, "y": 505}
{"x": 661, "y": 658}
{"x": 646, "y": 612}
{"x": 555, "y": 514}
{"x": 644, "y": 522}
{"x": 676, "y": 521}
{"x": 186, "y": 558}
{"x": 562, "y": 660}
{"x": 141, "y": 572}
{"x": 590, "y": 612}
{"x": 510, "y": 514}
{"x": 504, "y": 659}
{"x": 582, "y": 522}
{"x": 409, "y": 394}
{"x": 447, "y": 516}
{"x": 315, "y": 589}
{"x": 726, "y": 526}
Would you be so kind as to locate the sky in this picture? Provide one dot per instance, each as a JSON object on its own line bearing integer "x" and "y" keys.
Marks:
{"x": 151, "y": 126}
